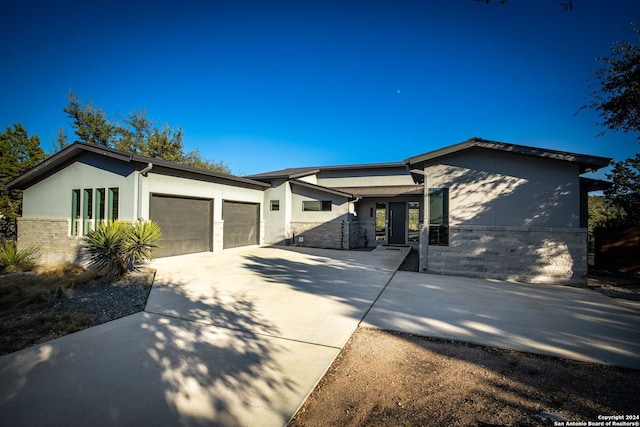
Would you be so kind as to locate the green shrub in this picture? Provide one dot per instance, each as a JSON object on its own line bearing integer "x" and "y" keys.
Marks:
{"x": 117, "y": 247}
{"x": 14, "y": 258}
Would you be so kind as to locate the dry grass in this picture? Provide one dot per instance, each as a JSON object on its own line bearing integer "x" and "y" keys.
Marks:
{"x": 24, "y": 297}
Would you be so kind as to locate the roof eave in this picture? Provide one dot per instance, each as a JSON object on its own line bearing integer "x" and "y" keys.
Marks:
{"x": 69, "y": 153}
{"x": 324, "y": 189}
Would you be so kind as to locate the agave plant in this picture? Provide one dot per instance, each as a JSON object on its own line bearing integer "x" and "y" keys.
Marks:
{"x": 116, "y": 246}
{"x": 15, "y": 258}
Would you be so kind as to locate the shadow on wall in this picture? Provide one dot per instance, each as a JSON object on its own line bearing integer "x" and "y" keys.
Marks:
{"x": 509, "y": 227}
{"x": 482, "y": 196}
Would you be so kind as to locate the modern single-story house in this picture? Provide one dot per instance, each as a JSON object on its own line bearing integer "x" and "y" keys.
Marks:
{"x": 478, "y": 208}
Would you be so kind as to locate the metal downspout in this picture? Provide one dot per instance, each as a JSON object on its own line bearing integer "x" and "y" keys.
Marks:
{"x": 144, "y": 172}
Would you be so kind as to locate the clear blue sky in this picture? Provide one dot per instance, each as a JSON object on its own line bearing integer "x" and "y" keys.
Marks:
{"x": 266, "y": 85}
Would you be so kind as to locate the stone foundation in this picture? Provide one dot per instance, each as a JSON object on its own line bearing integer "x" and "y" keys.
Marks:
{"x": 330, "y": 235}
{"x": 362, "y": 234}
{"x": 533, "y": 255}
{"x": 53, "y": 239}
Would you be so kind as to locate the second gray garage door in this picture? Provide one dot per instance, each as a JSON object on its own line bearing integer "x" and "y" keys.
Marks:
{"x": 241, "y": 224}
{"x": 186, "y": 224}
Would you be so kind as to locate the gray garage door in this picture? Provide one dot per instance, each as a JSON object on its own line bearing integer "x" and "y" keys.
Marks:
{"x": 241, "y": 226}
{"x": 186, "y": 224}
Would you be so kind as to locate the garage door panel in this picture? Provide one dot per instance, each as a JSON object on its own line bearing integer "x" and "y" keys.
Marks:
{"x": 241, "y": 224}
{"x": 186, "y": 224}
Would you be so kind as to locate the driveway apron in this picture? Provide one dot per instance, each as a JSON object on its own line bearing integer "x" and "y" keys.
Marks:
{"x": 561, "y": 321}
{"x": 239, "y": 337}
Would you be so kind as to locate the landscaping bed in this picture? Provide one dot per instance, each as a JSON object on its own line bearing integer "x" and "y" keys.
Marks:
{"x": 40, "y": 306}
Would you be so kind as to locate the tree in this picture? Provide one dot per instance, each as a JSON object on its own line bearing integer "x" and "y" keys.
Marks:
{"x": 90, "y": 124}
{"x": 141, "y": 136}
{"x": 625, "y": 191}
{"x": 135, "y": 133}
{"x": 19, "y": 152}
{"x": 603, "y": 213}
{"x": 617, "y": 100}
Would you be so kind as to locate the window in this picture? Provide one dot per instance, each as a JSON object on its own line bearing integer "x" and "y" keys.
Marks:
{"x": 275, "y": 205}
{"x": 414, "y": 221}
{"x": 87, "y": 210}
{"x": 439, "y": 216}
{"x": 381, "y": 221}
{"x": 114, "y": 196}
{"x": 100, "y": 205}
{"x": 316, "y": 205}
{"x": 75, "y": 211}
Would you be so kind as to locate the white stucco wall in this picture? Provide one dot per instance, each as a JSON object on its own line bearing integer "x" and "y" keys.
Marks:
{"x": 51, "y": 197}
{"x": 366, "y": 177}
{"x": 176, "y": 186}
{"x": 277, "y": 222}
{"x": 340, "y": 206}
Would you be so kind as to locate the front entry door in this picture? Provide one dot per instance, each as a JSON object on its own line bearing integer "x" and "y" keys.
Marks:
{"x": 397, "y": 223}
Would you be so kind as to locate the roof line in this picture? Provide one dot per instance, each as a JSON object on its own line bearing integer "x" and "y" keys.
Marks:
{"x": 323, "y": 189}
{"x": 586, "y": 162}
{"x": 74, "y": 149}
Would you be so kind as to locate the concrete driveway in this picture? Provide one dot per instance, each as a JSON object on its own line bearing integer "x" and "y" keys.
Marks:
{"x": 233, "y": 338}
{"x": 241, "y": 337}
{"x": 561, "y": 321}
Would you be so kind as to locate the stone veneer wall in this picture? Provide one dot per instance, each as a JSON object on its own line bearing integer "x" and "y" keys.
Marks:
{"x": 363, "y": 234}
{"x": 52, "y": 236}
{"x": 332, "y": 234}
{"x": 534, "y": 255}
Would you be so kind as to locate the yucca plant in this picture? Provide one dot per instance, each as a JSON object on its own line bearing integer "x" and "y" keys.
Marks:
{"x": 116, "y": 246}
{"x": 14, "y": 258}
{"x": 143, "y": 239}
{"x": 106, "y": 246}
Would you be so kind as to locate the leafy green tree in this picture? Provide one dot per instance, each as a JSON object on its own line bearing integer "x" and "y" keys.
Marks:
{"x": 140, "y": 135}
{"x": 135, "y": 133}
{"x": 617, "y": 101}
{"x": 194, "y": 158}
{"x": 19, "y": 152}
{"x": 625, "y": 191}
{"x": 604, "y": 213}
{"x": 90, "y": 124}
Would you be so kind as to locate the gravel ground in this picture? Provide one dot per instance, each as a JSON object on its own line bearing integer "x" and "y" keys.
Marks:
{"x": 103, "y": 301}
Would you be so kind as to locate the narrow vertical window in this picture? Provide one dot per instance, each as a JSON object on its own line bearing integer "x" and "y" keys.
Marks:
{"x": 414, "y": 221}
{"x": 100, "y": 205}
{"x": 439, "y": 216}
{"x": 114, "y": 201}
{"x": 87, "y": 210}
{"x": 75, "y": 211}
{"x": 381, "y": 221}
